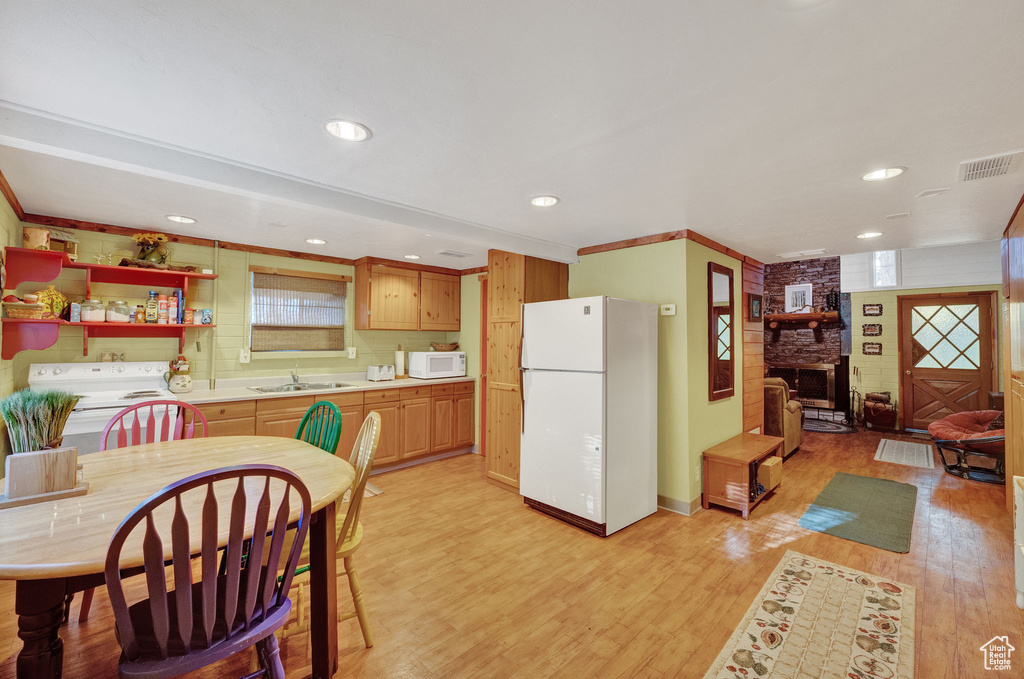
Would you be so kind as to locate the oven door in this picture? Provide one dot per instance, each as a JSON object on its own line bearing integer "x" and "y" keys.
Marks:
{"x": 84, "y": 427}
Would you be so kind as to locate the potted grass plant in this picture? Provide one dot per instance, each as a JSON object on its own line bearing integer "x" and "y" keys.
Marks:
{"x": 35, "y": 419}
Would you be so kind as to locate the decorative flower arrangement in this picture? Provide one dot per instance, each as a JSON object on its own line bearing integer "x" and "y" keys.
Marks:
{"x": 35, "y": 419}
{"x": 151, "y": 247}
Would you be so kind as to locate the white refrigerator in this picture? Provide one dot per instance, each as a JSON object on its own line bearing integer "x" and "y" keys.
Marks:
{"x": 589, "y": 453}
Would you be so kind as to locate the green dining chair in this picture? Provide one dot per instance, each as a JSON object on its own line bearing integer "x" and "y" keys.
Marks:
{"x": 321, "y": 426}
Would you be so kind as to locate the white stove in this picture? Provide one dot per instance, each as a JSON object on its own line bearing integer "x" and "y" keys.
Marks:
{"x": 106, "y": 389}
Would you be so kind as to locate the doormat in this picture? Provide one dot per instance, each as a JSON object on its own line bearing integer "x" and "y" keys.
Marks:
{"x": 814, "y": 619}
{"x": 875, "y": 512}
{"x": 906, "y": 452}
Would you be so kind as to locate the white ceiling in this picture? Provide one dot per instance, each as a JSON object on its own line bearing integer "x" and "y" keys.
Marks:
{"x": 740, "y": 119}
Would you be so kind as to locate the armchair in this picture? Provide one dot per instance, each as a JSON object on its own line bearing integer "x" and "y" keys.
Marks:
{"x": 782, "y": 417}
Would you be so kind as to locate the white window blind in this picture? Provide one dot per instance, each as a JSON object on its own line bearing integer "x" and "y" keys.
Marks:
{"x": 885, "y": 269}
{"x": 293, "y": 313}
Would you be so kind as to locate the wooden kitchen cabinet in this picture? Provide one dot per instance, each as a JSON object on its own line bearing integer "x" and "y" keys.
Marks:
{"x": 443, "y": 434}
{"x": 281, "y": 416}
{"x": 440, "y": 301}
{"x": 465, "y": 423}
{"x": 396, "y": 296}
{"x": 230, "y": 418}
{"x": 389, "y": 449}
{"x": 350, "y": 405}
{"x": 414, "y": 421}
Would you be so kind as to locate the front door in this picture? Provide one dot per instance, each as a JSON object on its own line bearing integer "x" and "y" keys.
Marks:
{"x": 946, "y": 355}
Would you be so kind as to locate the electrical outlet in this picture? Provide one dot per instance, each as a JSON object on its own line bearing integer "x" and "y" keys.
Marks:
{"x": 244, "y": 356}
{"x": 668, "y": 309}
{"x": 351, "y": 352}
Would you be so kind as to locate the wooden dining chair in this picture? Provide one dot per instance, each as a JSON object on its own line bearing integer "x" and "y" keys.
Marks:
{"x": 145, "y": 423}
{"x": 350, "y": 535}
{"x": 139, "y": 423}
{"x": 174, "y": 631}
{"x": 321, "y": 426}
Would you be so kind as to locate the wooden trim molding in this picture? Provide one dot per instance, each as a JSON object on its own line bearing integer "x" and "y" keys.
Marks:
{"x": 478, "y": 269}
{"x": 299, "y": 274}
{"x": 8, "y": 192}
{"x": 685, "y": 234}
{"x": 412, "y": 266}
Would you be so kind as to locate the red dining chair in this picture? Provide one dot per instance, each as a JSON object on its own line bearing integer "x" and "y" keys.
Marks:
{"x": 133, "y": 427}
{"x": 239, "y": 601}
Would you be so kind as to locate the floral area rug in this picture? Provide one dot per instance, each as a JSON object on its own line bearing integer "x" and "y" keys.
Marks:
{"x": 815, "y": 619}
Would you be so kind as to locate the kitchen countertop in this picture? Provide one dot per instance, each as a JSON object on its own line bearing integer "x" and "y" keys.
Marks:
{"x": 246, "y": 394}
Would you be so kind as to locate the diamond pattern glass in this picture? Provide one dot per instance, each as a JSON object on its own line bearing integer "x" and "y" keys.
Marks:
{"x": 724, "y": 336}
{"x": 948, "y": 335}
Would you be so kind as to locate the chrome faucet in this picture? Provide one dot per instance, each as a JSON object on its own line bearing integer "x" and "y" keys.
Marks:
{"x": 295, "y": 376}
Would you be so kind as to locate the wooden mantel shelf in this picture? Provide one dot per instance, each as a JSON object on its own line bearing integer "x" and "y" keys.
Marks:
{"x": 811, "y": 320}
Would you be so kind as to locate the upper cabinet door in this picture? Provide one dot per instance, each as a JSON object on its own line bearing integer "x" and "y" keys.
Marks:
{"x": 394, "y": 298}
{"x": 440, "y": 301}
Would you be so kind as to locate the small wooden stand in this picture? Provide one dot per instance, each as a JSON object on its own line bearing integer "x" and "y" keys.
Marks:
{"x": 730, "y": 471}
{"x": 42, "y": 476}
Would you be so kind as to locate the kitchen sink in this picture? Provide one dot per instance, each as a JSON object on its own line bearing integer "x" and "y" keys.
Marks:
{"x": 301, "y": 386}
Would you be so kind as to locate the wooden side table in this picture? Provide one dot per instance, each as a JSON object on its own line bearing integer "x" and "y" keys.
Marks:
{"x": 730, "y": 471}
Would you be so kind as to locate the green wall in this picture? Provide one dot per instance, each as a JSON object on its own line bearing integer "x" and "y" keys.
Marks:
{"x": 710, "y": 422}
{"x": 10, "y": 234}
{"x": 881, "y": 372}
{"x": 469, "y": 337}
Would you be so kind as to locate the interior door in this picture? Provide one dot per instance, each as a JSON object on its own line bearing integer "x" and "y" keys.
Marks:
{"x": 946, "y": 355}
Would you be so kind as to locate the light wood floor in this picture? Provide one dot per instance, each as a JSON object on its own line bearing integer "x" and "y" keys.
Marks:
{"x": 462, "y": 580}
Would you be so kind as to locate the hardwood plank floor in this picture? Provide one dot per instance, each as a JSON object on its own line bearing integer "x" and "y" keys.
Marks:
{"x": 462, "y": 580}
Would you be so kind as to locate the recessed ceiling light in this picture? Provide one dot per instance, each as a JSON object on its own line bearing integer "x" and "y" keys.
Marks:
{"x": 880, "y": 175}
{"x": 348, "y": 130}
{"x": 870, "y": 234}
{"x": 181, "y": 219}
{"x": 412, "y": 256}
{"x": 544, "y": 201}
{"x": 316, "y": 241}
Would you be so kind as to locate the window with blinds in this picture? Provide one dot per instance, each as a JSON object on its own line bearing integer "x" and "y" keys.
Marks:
{"x": 297, "y": 313}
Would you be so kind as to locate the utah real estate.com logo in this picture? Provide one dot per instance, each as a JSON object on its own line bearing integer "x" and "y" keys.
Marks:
{"x": 997, "y": 653}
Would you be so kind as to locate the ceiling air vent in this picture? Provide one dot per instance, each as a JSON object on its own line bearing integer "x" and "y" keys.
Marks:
{"x": 898, "y": 215}
{"x": 931, "y": 193}
{"x": 452, "y": 253}
{"x": 995, "y": 166}
{"x": 802, "y": 253}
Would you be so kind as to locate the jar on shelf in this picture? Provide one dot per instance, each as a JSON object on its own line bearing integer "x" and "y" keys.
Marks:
{"x": 93, "y": 311}
{"x": 118, "y": 312}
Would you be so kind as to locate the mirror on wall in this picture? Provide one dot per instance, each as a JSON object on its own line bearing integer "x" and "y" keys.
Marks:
{"x": 722, "y": 332}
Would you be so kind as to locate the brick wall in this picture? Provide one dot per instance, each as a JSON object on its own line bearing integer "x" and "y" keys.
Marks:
{"x": 792, "y": 345}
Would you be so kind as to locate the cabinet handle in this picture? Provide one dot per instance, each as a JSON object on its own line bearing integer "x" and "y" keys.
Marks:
{"x": 223, "y": 410}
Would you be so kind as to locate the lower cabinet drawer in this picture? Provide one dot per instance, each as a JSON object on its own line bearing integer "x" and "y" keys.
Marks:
{"x": 227, "y": 410}
{"x": 243, "y": 426}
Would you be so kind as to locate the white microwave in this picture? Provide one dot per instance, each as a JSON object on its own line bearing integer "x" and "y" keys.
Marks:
{"x": 429, "y": 365}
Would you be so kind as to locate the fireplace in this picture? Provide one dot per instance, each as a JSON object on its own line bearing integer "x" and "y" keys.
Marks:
{"x": 814, "y": 383}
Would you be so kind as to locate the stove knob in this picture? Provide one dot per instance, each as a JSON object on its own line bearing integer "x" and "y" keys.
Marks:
{"x": 41, "y": 371}
{"x": 57, "y": 371}
{"x": 149, "y": 368}
{"x": 120, "y": 368}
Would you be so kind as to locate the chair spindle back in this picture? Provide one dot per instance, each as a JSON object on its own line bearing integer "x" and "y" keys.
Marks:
{"x": 154, "y": 422}
{"x": 362, "y": 459}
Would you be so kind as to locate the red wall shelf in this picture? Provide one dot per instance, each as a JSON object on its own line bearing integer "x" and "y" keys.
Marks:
{"x": 42, "y": 266}
{"x": 22, "y": 333}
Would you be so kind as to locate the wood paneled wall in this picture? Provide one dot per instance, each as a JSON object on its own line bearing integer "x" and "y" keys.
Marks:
{"x": 753, "y": 349}
{"x": 512, "y": 281}
{"x": 1013, "y": 287}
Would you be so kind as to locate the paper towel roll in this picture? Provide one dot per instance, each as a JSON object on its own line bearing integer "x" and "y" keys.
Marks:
{"x": 399, "y": 363}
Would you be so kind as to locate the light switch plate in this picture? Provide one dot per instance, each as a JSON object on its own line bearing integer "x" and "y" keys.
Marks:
{"x": 351, "y": 352}
{"x": 668, "y": 309}
{"x": 244, "y": 356}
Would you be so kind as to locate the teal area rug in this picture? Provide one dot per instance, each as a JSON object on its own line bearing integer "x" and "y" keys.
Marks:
{"x": 875, "y": 512}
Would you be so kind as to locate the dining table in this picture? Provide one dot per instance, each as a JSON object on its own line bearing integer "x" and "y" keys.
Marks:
{"x": 56, "y": 548}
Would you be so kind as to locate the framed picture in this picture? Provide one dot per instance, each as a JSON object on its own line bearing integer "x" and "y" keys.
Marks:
{"x": 872, "y": 309}
{"x": 873, "y": 348}
{"x": 755, "y": 307}
{"x": 872, "y": 329}
{"x": 798, "y": 298}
